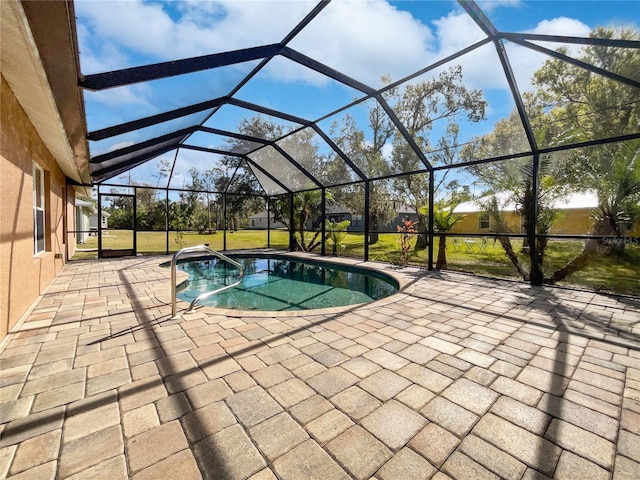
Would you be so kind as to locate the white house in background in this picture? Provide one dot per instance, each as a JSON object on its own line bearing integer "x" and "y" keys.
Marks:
{"x": 259, "y": 220}
{"x": 93, "y": 222}
{"x": 84, "y": 211}
{"x": 87, "y": 220}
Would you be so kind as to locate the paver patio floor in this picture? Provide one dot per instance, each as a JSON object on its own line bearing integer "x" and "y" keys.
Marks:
{"x": 455, "y": 377}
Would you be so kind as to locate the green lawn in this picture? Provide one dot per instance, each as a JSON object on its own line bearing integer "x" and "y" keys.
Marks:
{"x": 155, "y": 242}
{"x": 618, "y": 274}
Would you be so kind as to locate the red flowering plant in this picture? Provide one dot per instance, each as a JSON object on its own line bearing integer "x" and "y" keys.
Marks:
{"x": 407, "y": 233}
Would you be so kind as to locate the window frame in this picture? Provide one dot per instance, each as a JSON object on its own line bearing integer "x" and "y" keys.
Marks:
{"x": 484, "y": 221}
{"x": 39, "y": 222}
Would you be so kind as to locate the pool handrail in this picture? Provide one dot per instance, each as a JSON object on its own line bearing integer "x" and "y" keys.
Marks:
{"x": 199, "y": 248}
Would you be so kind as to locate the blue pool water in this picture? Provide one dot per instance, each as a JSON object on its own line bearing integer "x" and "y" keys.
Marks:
{"x": 279, "y": 284}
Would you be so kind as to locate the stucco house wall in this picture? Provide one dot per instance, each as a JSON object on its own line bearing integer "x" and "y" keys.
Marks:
{"x": 41, "y": 123}
{"x": 21, "y": 146}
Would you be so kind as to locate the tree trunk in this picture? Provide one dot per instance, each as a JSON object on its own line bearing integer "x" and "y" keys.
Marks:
{"x": 511, "y": 254}
{"x": 422, "y": 241}
{"x": 576, "y": 264}
{"x": 373, "y": 225}
{"x": 302, "y": 221}
{"x": 592, "y": 248}
{"x": 441, "y": 263}
{"x": 537, "y": 274}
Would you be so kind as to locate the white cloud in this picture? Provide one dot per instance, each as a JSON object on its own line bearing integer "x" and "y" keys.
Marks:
{"x": 525, "y": 61}
{"x": 130, "y": 95}
{"x": 118, "y": 146}
{"x": 358, "y": 37}
{"x": 482, "y": 68}
{"x": 448, "y": 32}
{"x": 569, "y": 27}
{"x": 563, "y": 26}
{"x": 387, "y": 151}
{"x": 152, "y": 33}
{"x": 361, "y": 39}
{"x": 489, "y": 5}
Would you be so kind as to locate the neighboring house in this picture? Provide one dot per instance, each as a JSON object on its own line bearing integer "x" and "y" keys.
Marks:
{"x": 338, "y": 213}
{"x": 401, "y": 213}
{"x": 574, "y": 216}
{"x": 259, "y": 220}
{"x": 87, "y": 220}
{"x": 44, "y": 154}
{"x": 93, "y": 222}
{"x": 84, "y": 211}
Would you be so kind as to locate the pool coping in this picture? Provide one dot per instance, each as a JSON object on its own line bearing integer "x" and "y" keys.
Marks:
{"x": 399, "y": 273}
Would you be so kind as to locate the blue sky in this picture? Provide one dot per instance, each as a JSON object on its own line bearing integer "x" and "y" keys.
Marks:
{"x": 363, "y": 39}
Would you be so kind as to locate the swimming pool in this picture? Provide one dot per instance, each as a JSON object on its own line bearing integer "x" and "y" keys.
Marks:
{"x": 278, "y": 283}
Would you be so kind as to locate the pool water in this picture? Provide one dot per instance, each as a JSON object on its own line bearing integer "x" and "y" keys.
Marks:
{"x": 280, "y": 284}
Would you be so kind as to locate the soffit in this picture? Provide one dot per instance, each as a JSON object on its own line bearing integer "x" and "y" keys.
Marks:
{"x": 22, "y": 67}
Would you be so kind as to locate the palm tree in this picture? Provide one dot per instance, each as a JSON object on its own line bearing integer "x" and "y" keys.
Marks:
{"x": 618, "y": 189}
{"x": 306, "y": 206}
{"x": 443, "y": 222}
{"x": 336, "y": 231}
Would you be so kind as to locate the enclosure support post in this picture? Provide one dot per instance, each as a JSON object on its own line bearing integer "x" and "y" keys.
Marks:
{"x": 537, "y": 275}
{"x": 268, "y": 222}
{"x": 99, "y": 223}
{"x": 323, "y": 216}
{"x": 135, "y": 221}
{"x": 366, "y": 221}
{"x": 166, "y": 221}
{"x": 430, "y": 226}
{"x": 291, "y": 225}
{"x": 224, "y": 222}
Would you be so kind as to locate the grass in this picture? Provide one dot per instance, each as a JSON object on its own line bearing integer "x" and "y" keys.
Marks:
{"x": 617, "y": 274}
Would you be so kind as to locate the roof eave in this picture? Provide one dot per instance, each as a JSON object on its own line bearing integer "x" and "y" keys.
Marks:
{"x": 40, "y": 64}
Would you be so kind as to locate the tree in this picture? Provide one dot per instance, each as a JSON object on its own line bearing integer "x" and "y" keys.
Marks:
{"x": 583, "y": 105}
{"x": 233, "y": 175}
{"x": 618, "y": 209}
{"x": 306, "y": 208}
{"x": 443, "y": 221}
{"x": 419, "y": 107}
{"x": 367, "y": 154}
{"x": 589, "y": 106}
{"x": 150, "y": 210}
{"x": 570, "y": 104}
{"x": 513, "y": 181}
{"x": 336, "y": 232}
{"x": 120, "y": 210}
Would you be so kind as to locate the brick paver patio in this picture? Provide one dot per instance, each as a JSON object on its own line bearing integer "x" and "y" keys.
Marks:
{"x": 454, "y": 377}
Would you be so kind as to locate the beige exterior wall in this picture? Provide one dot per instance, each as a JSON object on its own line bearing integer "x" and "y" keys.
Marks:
{"x": 571, "y": 222}
{"x": 23, "y": 276}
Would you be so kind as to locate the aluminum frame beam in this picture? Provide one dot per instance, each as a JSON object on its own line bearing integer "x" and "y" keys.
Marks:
{"x": 157, "y": 71}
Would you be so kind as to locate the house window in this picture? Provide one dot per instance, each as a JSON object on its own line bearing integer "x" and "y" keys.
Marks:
{"x": 38, "y": 210}
{"x": 253, "y": 222}
{"x": 485, "y": 221}
{"x": 356, "y": 220}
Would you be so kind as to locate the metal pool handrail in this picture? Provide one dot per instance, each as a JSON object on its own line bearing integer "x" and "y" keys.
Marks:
{"x": 199, "y": 248}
